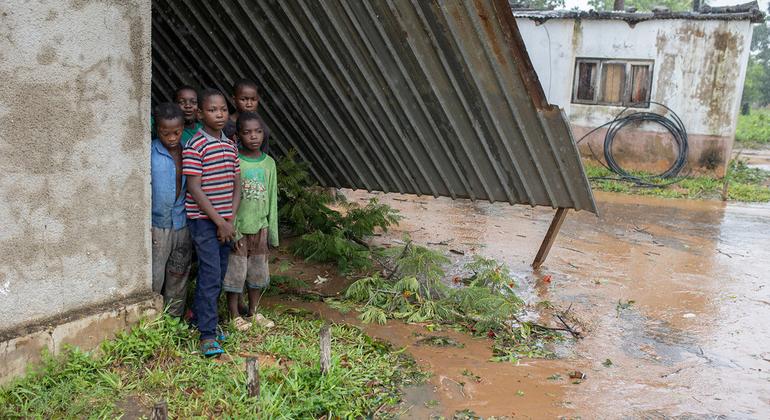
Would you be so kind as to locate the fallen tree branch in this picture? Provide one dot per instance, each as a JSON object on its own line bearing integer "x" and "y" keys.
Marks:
{"x": 538, "y": 326}
{"x": 403, "y": 253}
{"x": 301, "y": 292}
{"x": 571, "y": 330}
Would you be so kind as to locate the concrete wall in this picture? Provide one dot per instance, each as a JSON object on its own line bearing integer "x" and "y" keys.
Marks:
{"x": 698, "y": 71}
{"x": 74, "y": 158}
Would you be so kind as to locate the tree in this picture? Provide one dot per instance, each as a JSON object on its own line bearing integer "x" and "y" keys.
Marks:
{"x": 537, "y": 4}
{"x": 643, "y": 5}
{"x": 756, "y": 88}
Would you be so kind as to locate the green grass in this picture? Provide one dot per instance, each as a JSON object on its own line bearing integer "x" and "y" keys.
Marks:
{"x": 745, "y": 184}
{"x": 158, "y": 360}
{"x": 754, "y": 129}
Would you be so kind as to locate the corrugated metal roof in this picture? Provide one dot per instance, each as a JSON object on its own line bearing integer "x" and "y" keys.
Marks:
{"x": 426, "y": 97}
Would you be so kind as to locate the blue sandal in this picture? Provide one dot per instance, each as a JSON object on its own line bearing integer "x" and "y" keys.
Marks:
{"x": 211, "y": 348}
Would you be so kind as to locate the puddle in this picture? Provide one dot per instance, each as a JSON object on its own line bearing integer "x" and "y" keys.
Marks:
{"x": 690, "y": 345}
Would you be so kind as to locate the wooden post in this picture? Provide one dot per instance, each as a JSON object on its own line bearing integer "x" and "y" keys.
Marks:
{"x": 160, "y": 411}
{"x": 550, "y": 237}
{"x": 326, "y": 348}
{"x": 252, "y": 376}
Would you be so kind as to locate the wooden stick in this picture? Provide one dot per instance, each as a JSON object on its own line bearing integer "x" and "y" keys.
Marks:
{"x": 326, "y": 348}
{"x": 550, "y": 237}
{"x": 252, "y": 376}
{"x": 159, "y": 411}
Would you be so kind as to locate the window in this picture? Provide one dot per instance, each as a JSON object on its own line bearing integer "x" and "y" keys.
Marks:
{"x": 612, "y": 82}
{"x": 586, "y": 89}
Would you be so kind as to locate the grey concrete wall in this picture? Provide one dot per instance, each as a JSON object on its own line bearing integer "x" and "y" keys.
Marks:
{"x": 74, "y": 157}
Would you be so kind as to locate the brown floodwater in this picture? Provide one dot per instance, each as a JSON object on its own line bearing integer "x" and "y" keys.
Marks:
{"x": 695, "y": 341}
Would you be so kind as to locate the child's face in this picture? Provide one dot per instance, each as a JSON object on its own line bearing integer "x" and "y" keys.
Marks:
{"x": 213, "y": 112}
{"x": 246, "y": 99}
{"x": 188, "y": 101}
{"x": 169, "y": 132}
{"x": 251, "y": 135}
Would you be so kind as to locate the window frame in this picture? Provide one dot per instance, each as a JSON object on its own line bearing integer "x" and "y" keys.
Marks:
{"x": 599, "y": 85}
{"x": 576, "y": 82}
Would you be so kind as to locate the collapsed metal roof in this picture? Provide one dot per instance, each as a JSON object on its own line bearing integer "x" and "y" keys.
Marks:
{"x": 426, "y": 97}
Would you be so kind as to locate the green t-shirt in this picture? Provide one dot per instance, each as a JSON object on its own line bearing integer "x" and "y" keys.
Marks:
{"x": 188, "y": 133}
{"x": 259, "y": 197}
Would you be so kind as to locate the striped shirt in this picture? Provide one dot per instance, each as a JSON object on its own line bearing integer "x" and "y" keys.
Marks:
{"x": 215, "y": 161}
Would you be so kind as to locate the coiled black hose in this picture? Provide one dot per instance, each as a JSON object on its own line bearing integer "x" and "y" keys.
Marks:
{"x": 673, "y": 125}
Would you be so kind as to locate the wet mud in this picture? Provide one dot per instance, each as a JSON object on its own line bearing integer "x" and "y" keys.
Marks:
{"x": 673, "y": 292}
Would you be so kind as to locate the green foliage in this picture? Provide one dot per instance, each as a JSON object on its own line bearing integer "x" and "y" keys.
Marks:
{"x": 489, "y": 310}
{"x": 327, "y": 235}
{"x": 301, "y": 205}
{"x": 490, "y": 274}
{"x": 374, "y": 314}
{"x": 360, "y": 222}
{"x": 420, "y": 263}
{"x": 524, "y": 341}
{"x": 483, "y": 303}
{"x": 537, "y": 4}
{"x": 744, "y": 184}
{"x": 324, "y": 247}
{"x": 364, "y": 376}
{"x": 643, "y": 5}
{"x": 754, "y": 128}
{"x": 756, "y": 88}
{"x": 281, "y": 284}
{"x": 740, "y": 172}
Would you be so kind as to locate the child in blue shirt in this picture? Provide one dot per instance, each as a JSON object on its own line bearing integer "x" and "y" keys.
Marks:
{"x": 171, "y": 243}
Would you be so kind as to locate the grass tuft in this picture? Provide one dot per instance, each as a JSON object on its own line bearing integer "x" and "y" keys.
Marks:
{"x": 754, "y": 129}
{"x": 744, "y": 184}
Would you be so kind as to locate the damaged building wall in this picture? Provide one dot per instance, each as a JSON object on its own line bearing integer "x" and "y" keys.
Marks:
{"x": 74, "y": 110}
{"x": 698, "y": 70}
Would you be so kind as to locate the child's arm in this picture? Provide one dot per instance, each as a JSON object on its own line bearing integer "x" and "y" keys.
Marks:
{"x": 225, "y": 230}
{"x": 272, "y": 217}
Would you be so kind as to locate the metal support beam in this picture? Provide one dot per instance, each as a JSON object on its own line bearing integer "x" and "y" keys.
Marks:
{"x": 550, "y": 237}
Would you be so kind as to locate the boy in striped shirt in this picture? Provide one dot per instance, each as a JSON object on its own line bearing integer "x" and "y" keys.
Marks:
{"x": 210, "y": 163}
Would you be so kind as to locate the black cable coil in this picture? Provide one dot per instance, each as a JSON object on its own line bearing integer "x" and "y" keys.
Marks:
{"x": 673, "y": 125}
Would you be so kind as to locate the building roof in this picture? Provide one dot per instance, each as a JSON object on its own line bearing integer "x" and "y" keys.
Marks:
{"x": 435, "y": 98}
{"x": 746, "y": 11}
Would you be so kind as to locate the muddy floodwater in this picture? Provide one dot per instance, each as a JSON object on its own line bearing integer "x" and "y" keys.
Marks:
{"x": 674, "y": 293}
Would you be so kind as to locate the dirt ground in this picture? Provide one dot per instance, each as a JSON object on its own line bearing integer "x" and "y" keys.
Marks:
{"x": 694, "y": 343}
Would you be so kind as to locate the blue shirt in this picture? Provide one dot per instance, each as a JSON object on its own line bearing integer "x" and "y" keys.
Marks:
{"x": 167, "y": 209}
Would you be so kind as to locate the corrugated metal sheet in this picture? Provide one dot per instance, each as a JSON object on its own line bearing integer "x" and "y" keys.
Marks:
{"x": 427, "y": 97}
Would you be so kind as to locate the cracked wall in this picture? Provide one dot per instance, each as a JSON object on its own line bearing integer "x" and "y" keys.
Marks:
{"x": 74, "y": 107}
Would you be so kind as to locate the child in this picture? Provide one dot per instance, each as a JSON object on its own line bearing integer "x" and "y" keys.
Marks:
{"x": 246, "y": 99}
{"x": 211, "y": 166}
{"x": 187, "y": 99}
{"x": 257, "y": 220}
{"x": 171, "y": 246}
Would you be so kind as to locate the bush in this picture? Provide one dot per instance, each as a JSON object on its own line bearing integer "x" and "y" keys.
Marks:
{"x": 754, "y": 128}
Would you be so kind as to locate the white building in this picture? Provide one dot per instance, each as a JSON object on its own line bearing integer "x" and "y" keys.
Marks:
{"x": 595, "y": 64}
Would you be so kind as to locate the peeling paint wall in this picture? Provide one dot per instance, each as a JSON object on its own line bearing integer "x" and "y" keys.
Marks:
{"x": 698, "y": 71}
{"x": 74, "y": 107}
